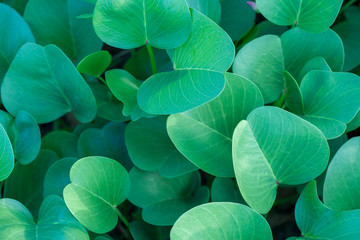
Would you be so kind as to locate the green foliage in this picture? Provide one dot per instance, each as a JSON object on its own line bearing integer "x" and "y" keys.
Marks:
{"x": 179, "y": 119}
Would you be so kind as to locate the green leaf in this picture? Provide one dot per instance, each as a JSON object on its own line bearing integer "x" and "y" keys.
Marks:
{"x": 55, "y": 221}
{"x": 95, "y": 63}
{"x": 316, "y": 221}
{"x": 300, "y": 46}
{"x": 56, "y": 22}
{"x": 24, "y": 134}
{"x": 11, "y": 40}
{"x": 25, "y": 184}
{"x": 215, "y": 52}
{"x": 98, "y": 185}
{"x": 44, "y": 76}
{"x": 143, "y": 231}
{"x": 157, "y": 152}
{"x": 234, "y": 12}
{"x": 333, "y": 99}
{"x": 310, "y": 15}
{"x": 63, "y": 143}
{"x": 7, "y": 155}
{"x": 275, "y": 147}
{"x": 179, "y": 91}
{"x": 225, "y": 190}
{"x": 225, "y": 221}
{"x": 162, "y": 24}
{"x": 349, "y": 33}
{"x": 352, "y": 13}
{"x": 57, "y": 177}
{"x": 107, "y": 142}
{"x": 262, "y": 62}
{"x": 354, "y": 123}
{"x": 164, "y": 199}
{"x": 210, "y": 8}
{"x": 342, "y": 183}
{"x": 294, "y": 100}
{"x": 204, "y": 134}
{"x": 125, "y": 88}
{"x": 317, "y": 63}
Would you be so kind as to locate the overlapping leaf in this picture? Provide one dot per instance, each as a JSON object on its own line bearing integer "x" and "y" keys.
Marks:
{"x": 274, "y": 146}
{"x": 44, "y": 76}
{"x": 7, "y": 155}
{"x": 204, "y": 134}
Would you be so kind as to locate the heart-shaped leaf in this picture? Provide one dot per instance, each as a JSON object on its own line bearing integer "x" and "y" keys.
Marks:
{"x": 317, "y": 63}
{"x": 95, "y": 63}
{"x": 157, "y": 153}
{"x": 7, "y": 155}
{"x": 210, "y": 8}
{"x": 266, "y": 54}
{"x": 342, "y": 184}
{"x": 164, "y": 199}
{"x": 25, "y": 183}
{"x": 10, "y": 40}
{"x": 44, "y": 76}
{"x": 56, "y": 22}
{"x": 316, "y": 221}
{"x": 57, "y": 177}
{"x": 107, "y": 142}
{"x": 223, "y": 220}
{"x": 234, "y": 12}
{"x": 310, "y": 15}
{"x": 300, "y": 46}
{"x": 212, "y": 125}
{"x": 63, "y": 143}
{"x": 55, "y": 221}
{"x": 160, "y": 23}
{"x": 274, "y": 146}
{"x": 98, "y": 185}
{"x": 24, "y": 134}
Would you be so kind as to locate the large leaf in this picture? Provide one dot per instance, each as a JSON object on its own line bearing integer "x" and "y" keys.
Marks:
{"x": 210, "y": 8}
{"x": 131, "y": 24}
{"x": 98, "y": 185}
{"x": 24, "y": 134}
{"x": 316, "y": 221}
{"x": 310, "y": 15}
{"x": 204, "y": 134}
{"x": 262, "y": 62}
{"x": 349, "y": 33}
{"x": 234, "y": 12}
{"x": 275, "y": 147}
{"x": 25, "y": 184}
{"x": 342, "y": 183}
{"x": 164, "y": 199}
{"x": 14, "y": 33}
{"x": 44, "y": 76}
{"x": 300, "y": 46}
{"x": 56, "y": 22}
{"x": 6, "y": 156}
{"x": 223, "y": 220}
{"x": 55, "y": 221}
{"x": 151, "y": 149}
{"x": 107, "y": 142}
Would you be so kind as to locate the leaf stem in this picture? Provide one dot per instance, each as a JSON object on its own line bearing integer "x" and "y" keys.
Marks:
{"x": 280, "y": 101}
{"x": 102, "y": 80}
{"x": 348, "y": 4}
{"x": 122, "y": 218}
{"x": 152, "y": 58}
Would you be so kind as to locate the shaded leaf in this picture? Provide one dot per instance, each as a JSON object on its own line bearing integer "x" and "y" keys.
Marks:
{"x": 63, "y": 143}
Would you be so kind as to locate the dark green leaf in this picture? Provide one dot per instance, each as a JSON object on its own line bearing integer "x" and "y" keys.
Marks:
{"x": 95, "y": 63}
{"x": 63, "y": 143}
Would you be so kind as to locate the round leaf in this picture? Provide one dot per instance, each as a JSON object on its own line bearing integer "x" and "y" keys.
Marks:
{"x": 310, "y": 15}
{"x": 6, "y": 156}
{"x": 223, "y": 220}
{"x": 44, "y": 76}
{"x": 98, "y": 185}
{"x": 131, "y": 24}
{"x": 204, "y": 134}
{"x": 274, "y": 146}
{"x": 95, "y": 63}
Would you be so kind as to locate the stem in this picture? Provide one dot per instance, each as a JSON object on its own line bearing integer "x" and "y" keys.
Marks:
{"x": 280, "y": 101}
{"x": 152, "y": 58}
{"x": 122, "y": 218}
{"x": 348, "y": 4}
{"x": 102, "y": 80}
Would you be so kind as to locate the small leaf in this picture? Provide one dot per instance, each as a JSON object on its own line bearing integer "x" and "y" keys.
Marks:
{"x": 6, "y": 156}
{"x": 223, "y": 220}
{"x": 95, "y": 63}
{"x": 162, "y": 24}
{"x": 98, "y": 185}
{"x": 310, "y": 15}
{"x": 44, "y": 76}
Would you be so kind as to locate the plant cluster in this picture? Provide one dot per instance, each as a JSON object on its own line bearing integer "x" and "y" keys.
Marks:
{"x": 182, "y": 118}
